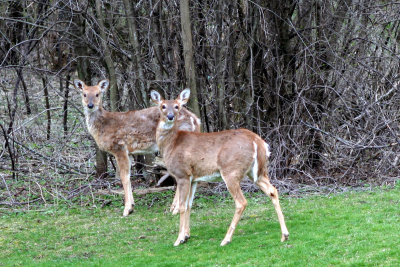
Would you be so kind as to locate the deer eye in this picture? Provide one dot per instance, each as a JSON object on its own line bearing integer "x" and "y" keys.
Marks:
{"x": 84, "y": 95}
{"x": 97, "y": 95}
{"x": 176, "y": 107}
{"x": 163, "y": 107}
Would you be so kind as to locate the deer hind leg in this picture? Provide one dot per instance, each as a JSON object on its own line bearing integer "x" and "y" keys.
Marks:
{"x": 189, "y": 208}
{"x": 184, "y": 191}
{"x": 233, "y": 184}
{"x": 271, "y": 191}
{"x": 124, "y": 166}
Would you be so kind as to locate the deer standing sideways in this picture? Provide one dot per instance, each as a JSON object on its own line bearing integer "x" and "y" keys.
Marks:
{"x": 194, "y": 157}
{"x": 124, "y": 133}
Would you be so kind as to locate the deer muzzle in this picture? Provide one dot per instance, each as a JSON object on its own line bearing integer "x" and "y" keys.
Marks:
{"x": 170, "y": 116}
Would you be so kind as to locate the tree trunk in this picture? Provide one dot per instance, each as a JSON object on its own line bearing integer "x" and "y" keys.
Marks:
{"x": 84, "y": 73}
{"x": 190, "y": 70}
{"x": 47, "y": 103}
{"x": 202, "y": 67}
{"x": 46, "y": 98}
{"x": 230, "y": 58}
{"x": 101, "y": 163}
{"x": 133, "y": 36}
{"x": 220, "y": 67}
{"x": 26, "y": 95}
{"x": 65, "y": 106}
{"x": 249, "y": 94}
{"x": 280, "y": 12}
{"x": 155, "y": 39}
{"x": 114, "y": 94}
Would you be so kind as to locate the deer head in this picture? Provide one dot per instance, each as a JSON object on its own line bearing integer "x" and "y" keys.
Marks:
{"x": 170, "y": 109}
{"x": 92, "y": 95}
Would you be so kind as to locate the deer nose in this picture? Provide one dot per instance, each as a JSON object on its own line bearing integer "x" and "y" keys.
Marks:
{"x": 90, "y": 105}
{"x": 170, "y": 117}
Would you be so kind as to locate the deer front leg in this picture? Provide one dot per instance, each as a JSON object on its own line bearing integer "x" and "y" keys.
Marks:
{"x": 184, "y": 190}
{"x": 124, "y": 166}
{"x": 175, "y": 203}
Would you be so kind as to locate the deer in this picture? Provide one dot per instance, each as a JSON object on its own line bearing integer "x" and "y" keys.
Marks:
{"x": 125, "y": 133}
{"x": 193, "y": 157}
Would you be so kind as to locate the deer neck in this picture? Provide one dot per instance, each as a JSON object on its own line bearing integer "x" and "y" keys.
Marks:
{"x": 91, "y": 117}
{"x": 165, "y": 136}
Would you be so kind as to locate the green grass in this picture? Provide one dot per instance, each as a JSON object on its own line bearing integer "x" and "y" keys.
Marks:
{"x": 357, "y": 228}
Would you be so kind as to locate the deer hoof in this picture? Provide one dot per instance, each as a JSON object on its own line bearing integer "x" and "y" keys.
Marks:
{"x": 178, "y": 242}
{"x": 225, "y": 242}
{"x": 285, "y": 237}
{"x": 127, "y": 211}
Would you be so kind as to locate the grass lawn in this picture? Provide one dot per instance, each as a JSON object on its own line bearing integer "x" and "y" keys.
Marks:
{"x": 357, "y": 228}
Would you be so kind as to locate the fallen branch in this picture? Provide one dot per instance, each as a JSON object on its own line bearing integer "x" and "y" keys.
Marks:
{"x": 12, "y": 203}
{"x": 137, "y": 191}
{"x": 163, "y": 178}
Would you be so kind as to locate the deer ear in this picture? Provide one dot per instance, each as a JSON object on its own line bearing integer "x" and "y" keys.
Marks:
{"x": 184, "y": 96}
{"x": 155, "y": 97}
{"x": 103, "y": 85}
{"x": 79, "y": 84}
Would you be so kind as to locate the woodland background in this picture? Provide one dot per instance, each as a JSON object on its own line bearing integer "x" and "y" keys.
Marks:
{"x": 318, "y": 80}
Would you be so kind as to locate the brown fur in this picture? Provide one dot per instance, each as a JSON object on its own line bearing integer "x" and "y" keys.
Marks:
{"x": 191, "y": 157}
{"x": 134, "y": 130}
{"x": 124, "y": 133}
{"x": 216, "y": 151}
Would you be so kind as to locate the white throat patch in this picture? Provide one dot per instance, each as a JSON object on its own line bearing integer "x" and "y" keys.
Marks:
{"x": 166, "y": 125}
{"x": 90, "y": 117}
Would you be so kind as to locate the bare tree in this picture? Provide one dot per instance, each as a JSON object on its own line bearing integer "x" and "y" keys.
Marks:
{"x": 190, "y": 69}
{"x": 133, "y": 36}
{"x": 114, "y": 93}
